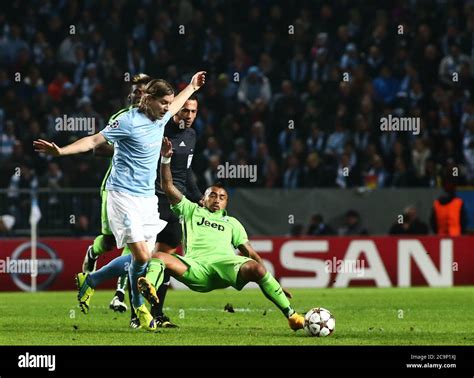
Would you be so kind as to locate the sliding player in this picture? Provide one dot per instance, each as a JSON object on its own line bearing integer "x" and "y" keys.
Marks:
{"x": 131, "y": 203}
{"x": 210, "y": 236}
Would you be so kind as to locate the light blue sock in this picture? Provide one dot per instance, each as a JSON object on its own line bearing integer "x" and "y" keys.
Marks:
{"x": 113, "y": 269}
{"x": 136, "y": 271}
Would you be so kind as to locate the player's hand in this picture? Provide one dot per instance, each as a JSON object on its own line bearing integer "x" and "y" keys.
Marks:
{"x": 198, "y": 80}
{"x": 287, "y": 293}
{"x": 46, "y": 147}
{"x": 166, "y": 148}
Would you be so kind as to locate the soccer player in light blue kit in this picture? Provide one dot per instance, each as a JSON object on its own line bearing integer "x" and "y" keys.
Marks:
{"x": 137, "y": 135}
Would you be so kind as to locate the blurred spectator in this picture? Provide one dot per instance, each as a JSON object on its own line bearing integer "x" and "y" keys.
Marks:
{"x": 212, "y": 149}
{"x": 7, "y": 140}
{"x": 352, "y": 225}
{"x": 451, "y": 64}
{"x": 316, "y": 140}
{"x": 314, "y": 174}
{"x": 22, "y": 182}
{"x": 254, "y": 86}
{"x": 469, "y": 157}
{"x": 210, "y": 174}
{"x": 91, "y": 82}
{"x": 292, "y": 174}
{"x": 401, "y": 176}
{"x": 374, "y": 61}
{"x": 410, "y": 224}
{"x": 431, "y": 177}
{"x": 257, "y": 137}
{"x": 420, "y": 155}
{"x": 226, "y": 88}
{"x": 285, "y": 102}
{"x": 344, "y": 176}
{"x": 376, "y": 176}
{"x": 317, "y": 226}
{"x": 336, "y": 140}
{"x": 349, "y": 59}
{"x": 386, "y": 86}
{"x": 299, "y": 69}
{"x": 296, "y": 230}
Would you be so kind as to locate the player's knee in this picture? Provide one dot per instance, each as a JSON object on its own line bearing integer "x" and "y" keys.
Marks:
{"x": 259, "y": 271}
{"x": 253, "y": 271}
{"x": 142, "y": 257}
{"x": 109, "y": 242}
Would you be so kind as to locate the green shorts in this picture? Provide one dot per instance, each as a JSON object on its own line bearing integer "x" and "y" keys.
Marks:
{"x": 207, "y": 275}
{"x": 104, "y": 219}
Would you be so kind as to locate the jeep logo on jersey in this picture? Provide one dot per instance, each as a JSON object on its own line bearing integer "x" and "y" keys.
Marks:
{"x": 49, "y": 266}
{"x": 205, "y": 222}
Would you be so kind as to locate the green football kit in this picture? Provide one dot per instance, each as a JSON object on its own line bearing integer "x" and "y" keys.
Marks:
{"x": 209, "y": 242}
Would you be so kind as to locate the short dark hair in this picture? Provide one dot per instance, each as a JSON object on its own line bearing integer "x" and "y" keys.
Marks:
{"x": 218, "y": 184}
{"x": 193, "y": 97}
{"x": 140, "y": 78}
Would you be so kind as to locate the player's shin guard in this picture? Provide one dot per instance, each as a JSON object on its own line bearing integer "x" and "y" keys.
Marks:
{"x": 161, "y": 292}
{"x": 113, "y": 269}
{"x": 155, "y": 275}
{"x": 135, "y": 271}
{"x": 155, "y": 272}
{"x": 273, "y": 291}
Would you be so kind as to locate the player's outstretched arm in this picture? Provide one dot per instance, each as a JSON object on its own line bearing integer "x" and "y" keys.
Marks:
{"x": 81, "y": 145}
{"x": 166, "y": 179}
{"x": 197, "y": 81}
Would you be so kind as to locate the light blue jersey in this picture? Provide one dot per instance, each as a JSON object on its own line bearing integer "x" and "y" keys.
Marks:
{"x": 137, "y": 147}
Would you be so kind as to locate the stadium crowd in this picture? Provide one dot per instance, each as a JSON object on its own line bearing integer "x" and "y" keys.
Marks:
{"x": 296, "y": 88}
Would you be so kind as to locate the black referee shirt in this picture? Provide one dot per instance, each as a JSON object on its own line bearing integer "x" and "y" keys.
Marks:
{"x": 184, "y": 142}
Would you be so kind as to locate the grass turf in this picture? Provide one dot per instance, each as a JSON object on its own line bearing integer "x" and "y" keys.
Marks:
{"x": 364, "y": 316}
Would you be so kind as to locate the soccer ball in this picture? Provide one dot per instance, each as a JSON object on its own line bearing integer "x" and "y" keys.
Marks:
{"x": 319, "y": 322}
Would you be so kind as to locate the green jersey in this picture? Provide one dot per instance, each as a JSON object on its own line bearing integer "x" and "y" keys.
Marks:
{"x": 107, "y": 173}
{"x": 206, "y": 234}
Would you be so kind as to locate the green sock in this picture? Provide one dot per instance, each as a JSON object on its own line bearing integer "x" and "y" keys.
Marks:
{"x": 98, "y": 246}
{"x": 122, "y": 281}
{"x": 154, "y": 272}
{"x": 273, "y": 291}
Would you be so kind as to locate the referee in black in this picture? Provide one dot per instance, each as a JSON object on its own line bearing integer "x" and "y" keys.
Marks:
{"x": 183, "y": 137}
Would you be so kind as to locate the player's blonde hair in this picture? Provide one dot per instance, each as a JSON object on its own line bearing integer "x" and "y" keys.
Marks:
{"x": 156, "y": 88}
{"x": 140, "y": 78}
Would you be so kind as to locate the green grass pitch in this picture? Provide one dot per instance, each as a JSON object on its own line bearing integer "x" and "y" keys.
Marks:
{"x": 364, "y": 316}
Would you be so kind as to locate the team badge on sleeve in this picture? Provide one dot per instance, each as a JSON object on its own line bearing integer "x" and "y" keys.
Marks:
{"x": 113, "y": 124}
